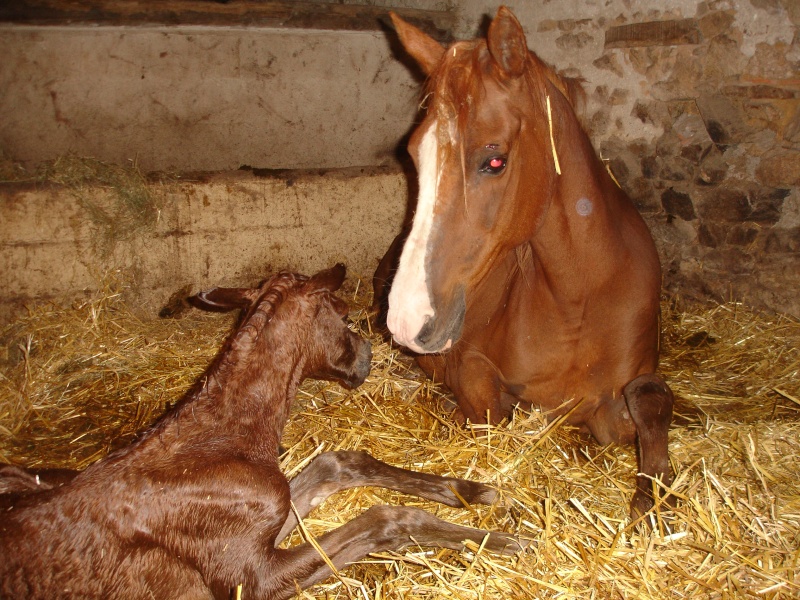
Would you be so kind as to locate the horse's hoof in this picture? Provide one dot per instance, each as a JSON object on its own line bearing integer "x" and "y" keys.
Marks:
{"x": 642, "y": 504}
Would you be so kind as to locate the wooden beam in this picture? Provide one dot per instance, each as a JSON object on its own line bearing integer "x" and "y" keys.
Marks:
{"x": 266, "y": 13}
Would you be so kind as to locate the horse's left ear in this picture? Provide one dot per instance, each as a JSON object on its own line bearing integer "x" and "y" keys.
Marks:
{"x": 507, "y": 43}
{"x": 329, "y": 279}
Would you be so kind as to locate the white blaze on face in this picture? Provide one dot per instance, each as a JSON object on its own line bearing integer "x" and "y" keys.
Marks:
{"x": 409, "y": 300}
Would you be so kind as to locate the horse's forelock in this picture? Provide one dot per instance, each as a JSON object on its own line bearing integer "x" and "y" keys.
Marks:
{"x": 459, "y": 78}
{"x": 454, "y": 85}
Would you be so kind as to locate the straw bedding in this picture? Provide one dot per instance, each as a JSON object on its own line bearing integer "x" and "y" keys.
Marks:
{"x": 81, "y": 380}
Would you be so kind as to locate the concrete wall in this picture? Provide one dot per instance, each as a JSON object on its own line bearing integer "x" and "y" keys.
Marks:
{"x": 60, "y": 242}
{"x": 202, "y": 98}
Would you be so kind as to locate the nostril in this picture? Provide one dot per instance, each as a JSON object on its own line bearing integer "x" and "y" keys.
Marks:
{"x": 427, "y": 332}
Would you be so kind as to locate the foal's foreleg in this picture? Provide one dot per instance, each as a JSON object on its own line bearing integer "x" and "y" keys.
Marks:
{"x": 650, "y": 402}
{"x": 332, "y": 472}
{"x": 381, "y": 528}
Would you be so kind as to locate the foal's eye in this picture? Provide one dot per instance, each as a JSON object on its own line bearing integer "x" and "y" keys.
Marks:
{"x": 494, "y": 165}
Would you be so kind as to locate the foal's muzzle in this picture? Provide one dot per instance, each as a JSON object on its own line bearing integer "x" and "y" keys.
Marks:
{"x": 361, "y": 366}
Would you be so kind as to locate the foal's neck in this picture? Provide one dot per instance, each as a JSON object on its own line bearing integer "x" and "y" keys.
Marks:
{"x": 244, "y": 398}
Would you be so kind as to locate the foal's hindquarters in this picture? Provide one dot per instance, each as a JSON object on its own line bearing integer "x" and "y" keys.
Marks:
{"x": 197, "y": 506}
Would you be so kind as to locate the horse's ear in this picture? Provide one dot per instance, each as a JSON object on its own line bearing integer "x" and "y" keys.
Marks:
{"x": 224, "y": 299}
{"x": 422, "y": 48}
{"x": 329, "y": 279}
{"x": 507, "y": 43}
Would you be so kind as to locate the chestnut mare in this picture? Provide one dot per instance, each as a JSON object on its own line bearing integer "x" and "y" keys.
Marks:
{"x": 528, "y": 276}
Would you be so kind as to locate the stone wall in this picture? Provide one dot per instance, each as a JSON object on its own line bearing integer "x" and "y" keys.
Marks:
{"x": 697, "y": 107}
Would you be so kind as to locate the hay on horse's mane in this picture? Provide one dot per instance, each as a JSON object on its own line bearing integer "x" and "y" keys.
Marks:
{"x": 79, "y": 381}
{"x": 455, "y": 79}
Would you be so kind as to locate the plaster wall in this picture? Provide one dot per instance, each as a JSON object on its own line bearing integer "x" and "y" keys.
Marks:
{"x": 202, "y": 98}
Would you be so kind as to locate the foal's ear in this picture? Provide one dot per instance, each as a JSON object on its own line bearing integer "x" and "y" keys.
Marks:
{"x": 329, "y": 279}
{"x": 224, "y": 299}
{"x": 507, "y": 44}
{"x": 422, "y": 47}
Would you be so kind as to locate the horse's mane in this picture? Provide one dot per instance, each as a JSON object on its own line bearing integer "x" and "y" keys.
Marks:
{"x": 571, "y": 87}
{"x": 275, "y": 291}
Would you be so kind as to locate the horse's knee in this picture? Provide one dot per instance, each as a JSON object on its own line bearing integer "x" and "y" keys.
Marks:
{"x": 480, "y": 409}
{"x": 649, "y": 401}
{"x": 433, "y": 365}
{"x": 474, "y": 384}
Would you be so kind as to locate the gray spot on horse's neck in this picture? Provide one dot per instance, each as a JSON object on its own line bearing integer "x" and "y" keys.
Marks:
{"x": 584, "y": 207}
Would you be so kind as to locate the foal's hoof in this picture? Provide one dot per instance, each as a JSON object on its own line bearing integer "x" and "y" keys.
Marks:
{"x": 506, "y": 544}
{"x": 640, "y": 505}
{"x": 469, "y": 492}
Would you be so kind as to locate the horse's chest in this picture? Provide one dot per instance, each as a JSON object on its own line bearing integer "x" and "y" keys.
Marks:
{"x": 539, "y": 358}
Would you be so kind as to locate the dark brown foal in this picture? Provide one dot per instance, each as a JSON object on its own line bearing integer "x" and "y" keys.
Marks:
{"x": 197, "y": 505}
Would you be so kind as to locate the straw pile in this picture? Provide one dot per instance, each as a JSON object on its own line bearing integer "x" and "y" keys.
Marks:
{"x": 79, "y": 381}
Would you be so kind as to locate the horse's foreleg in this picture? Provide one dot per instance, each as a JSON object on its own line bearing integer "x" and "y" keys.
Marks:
{"x": 332, "y": 472}
{"x": 650, "y": 401}
{"x": 381, "y": 528}
{"x": 476, "y": 387}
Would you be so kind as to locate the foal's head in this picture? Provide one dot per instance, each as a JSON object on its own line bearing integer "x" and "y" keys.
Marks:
{"x": 486, "y": 173}
{"x": 292, "y": 322}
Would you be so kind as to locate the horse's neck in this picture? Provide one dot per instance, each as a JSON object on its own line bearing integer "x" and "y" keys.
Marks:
{"x": 242, "y": 401}
{"x": 569, "y": 246}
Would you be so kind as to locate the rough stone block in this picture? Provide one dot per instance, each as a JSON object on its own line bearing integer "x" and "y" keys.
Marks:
{"x": 742, "y": 234}
{"x": 713, "y": 168}
{"x": 782, "y": 241}
{"x": 574, "y": 41}
{"x": 725, "y": 119}
{"x": 674, "y": 168}
{"x": 678, "y": 204}
{"x": 654, "y": 33}
{"x": 725, "y": 205}
{"x": 715, "y": 23}
{"x": 779, "y": 168}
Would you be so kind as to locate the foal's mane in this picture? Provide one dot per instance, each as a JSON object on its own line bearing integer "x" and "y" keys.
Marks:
{"x": 252, "y": 323}
{"x": 274, "y": 293}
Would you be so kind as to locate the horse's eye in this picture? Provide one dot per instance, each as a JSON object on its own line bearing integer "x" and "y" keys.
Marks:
{"x": 494, "y": 165}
